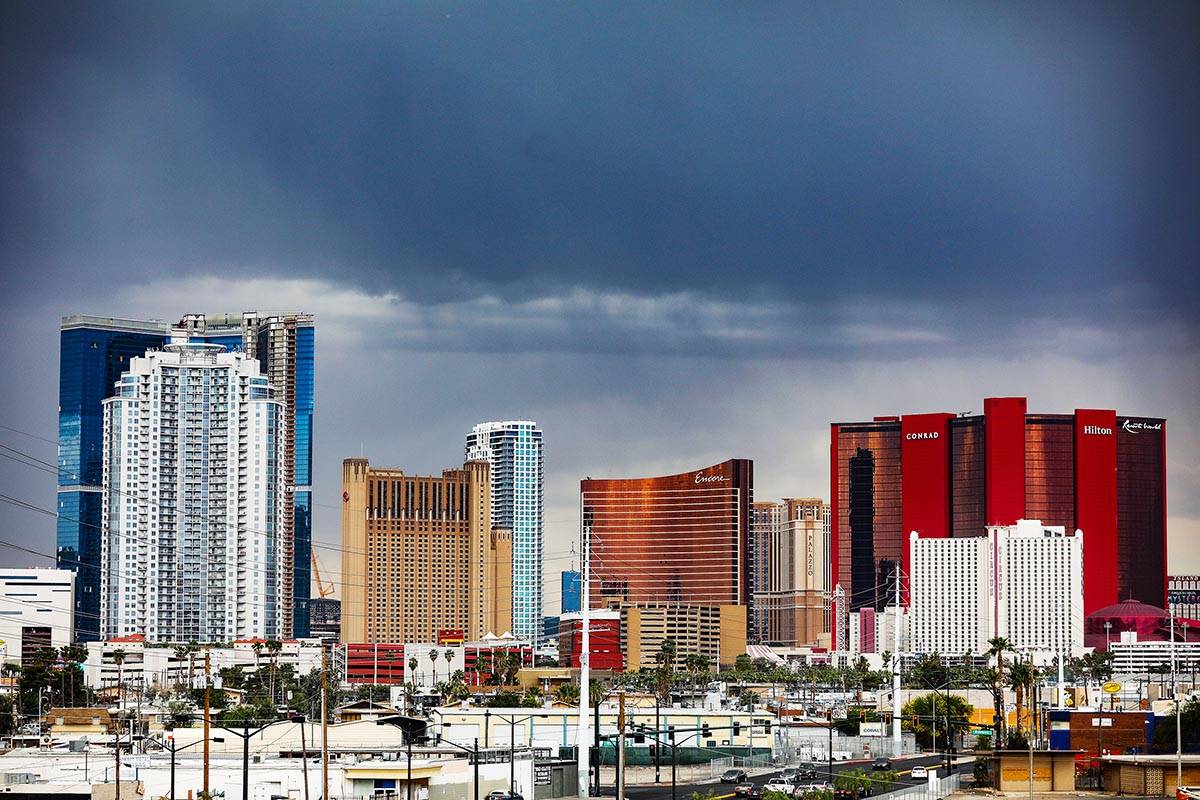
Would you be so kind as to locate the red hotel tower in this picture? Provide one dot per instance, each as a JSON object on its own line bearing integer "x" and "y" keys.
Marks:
{"x": 947, "y": 475}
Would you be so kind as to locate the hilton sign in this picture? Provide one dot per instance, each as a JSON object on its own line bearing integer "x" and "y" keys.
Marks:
{"x": 1096, "y": 430}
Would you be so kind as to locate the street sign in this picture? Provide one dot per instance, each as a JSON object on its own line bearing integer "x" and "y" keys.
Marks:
{"x": 541, "y": 776}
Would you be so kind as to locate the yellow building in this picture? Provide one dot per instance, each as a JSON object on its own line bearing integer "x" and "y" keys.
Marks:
{"x": 419, "y": 555}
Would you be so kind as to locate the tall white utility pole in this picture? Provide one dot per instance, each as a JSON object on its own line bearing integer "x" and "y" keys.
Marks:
{"x": 1175, "y": 697}
{"x": 896, "y": 737}
{"x": 584, "y": 732}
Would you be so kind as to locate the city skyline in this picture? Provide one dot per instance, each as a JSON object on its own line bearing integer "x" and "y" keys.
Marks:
{"x": 707, "y": 242}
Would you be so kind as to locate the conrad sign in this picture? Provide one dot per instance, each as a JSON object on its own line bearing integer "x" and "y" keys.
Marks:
{"x": 923, "y": 435}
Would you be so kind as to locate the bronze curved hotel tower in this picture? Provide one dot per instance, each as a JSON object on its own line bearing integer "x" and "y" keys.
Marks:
{"x": 672, "y": 553}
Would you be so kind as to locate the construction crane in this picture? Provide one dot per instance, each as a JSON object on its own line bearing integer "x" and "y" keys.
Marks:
{"x": 323, "y": 589}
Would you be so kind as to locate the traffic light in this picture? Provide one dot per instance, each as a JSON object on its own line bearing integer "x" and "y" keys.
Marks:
{"x": 767, "y": 726}
{"x": 737, "y": 728}
{"x": 639, "y": 737}
{"x": 705, "y": 732}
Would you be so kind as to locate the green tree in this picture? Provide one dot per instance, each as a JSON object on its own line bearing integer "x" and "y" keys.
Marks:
{"x": 567, "y": 693}
{"x": 925, "y": 712}
{"x": 1164, "y": 730}
{"x": 232, "y": 677}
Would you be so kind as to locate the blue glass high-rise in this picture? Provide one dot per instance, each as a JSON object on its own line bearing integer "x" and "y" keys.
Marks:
{"x": 572, "y": 591}
{"x": 94, "y": 351}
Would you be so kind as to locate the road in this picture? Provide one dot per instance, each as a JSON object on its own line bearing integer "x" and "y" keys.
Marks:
{"x": 684, "y": 791}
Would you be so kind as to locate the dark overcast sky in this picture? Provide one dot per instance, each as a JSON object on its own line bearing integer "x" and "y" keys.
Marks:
{"x": 669, "y": 232}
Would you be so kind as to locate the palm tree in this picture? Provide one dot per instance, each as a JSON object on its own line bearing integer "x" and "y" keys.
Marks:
{"x": 997, "y": 647}
{"x": 410, "y": 696}
{"x": 1021, "y": 676}
{"x": 433, "y": 657}
{"x": 665, "y": 658}
{"x": 274, "y": 646}
{"x": 118, "y": 657}
{"x": 412, "y": 669}
{"x": 696, "y": 665}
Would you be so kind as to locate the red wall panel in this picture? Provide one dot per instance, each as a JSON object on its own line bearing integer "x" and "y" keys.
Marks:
{"x": 1096, "y": 504}
{"x": 924, "y": 479}
{"x": 1004, "y": 428}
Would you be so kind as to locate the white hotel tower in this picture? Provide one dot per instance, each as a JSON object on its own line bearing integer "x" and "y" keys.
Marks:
{"x": 1023, "y": 582}
{"x": 190, "y": 545}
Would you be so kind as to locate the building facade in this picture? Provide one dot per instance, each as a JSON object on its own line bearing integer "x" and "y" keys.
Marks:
{"x": 191, "y": 544}
{"x": 37, "y": 610}
{"x": 680, "y": 539}
{"x": 571, "y": 592}
{"x": 514, "y": 450}
{"x": 1183, "y": 595}
{"x": 325, "y": 619}
{"x": 1023, "y": 582}
{"x": 947, "y": 475}
{"x": 94, "y": 352}
{"x": 790, "y": 600}
{"x": 672, "y": 552}
{"x": 419, "y": 555}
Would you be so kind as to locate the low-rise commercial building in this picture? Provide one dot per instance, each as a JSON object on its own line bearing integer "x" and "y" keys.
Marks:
{"x": 700, "y": 734}
{"x": 146, "y": 665}
{"x": 37, "y": 609}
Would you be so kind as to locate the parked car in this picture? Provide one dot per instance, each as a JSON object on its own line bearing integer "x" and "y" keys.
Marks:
{"x": 734, "y": 776}
{"x": 790, "y": 773}
{"x": 920, "y": 771}
{"x": 779, "y": 784}
{"x": 882, "y": 763}
{"x": 748, "y": 790}
{"x": 501, "y": 794}
{"x": 806, "y": 772}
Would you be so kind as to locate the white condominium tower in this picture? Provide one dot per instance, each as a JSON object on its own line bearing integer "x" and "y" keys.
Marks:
{"x": 192, "y": 494}
{"x": 514, "y": 449}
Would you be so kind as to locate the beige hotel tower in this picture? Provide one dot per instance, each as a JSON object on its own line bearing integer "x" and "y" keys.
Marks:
{"x": 419, "y": 555}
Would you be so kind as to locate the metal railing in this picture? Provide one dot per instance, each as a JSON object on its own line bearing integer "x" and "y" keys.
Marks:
{"x": 935, "y": 789}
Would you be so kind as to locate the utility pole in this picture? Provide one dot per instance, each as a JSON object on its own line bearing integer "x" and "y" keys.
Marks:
{"x": 303, "y": 758}
{"x": 1175, "y": 697}
{"x": 324, "y": 730}
{"x": 117, "y": 751}
{"x": 621, "y": 744}
{"x": 896, "y": 736}
{"x": 583, "y": 730}
{"x": 207, "y": 718}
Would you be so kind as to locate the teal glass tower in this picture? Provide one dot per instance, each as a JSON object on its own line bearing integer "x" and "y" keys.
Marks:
{"x": 514, "y": 449}
{"x": 94, "y": 351}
